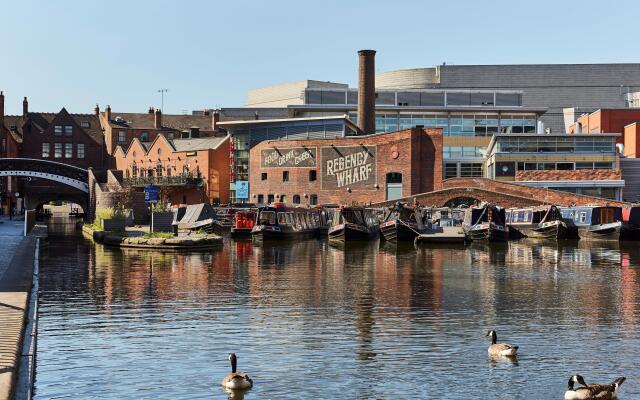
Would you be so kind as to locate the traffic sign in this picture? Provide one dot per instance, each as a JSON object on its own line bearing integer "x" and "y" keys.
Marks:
{"x": 151, "y": 194}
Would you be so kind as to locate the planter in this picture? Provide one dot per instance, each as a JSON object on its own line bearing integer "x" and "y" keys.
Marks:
{"x": 162, "y": 221}
{"x": 113, "y": 225}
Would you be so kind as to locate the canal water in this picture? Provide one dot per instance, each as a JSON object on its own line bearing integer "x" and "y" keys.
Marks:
{"x": 308, "y": 320}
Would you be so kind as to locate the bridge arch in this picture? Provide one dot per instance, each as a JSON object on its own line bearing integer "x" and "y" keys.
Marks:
{"x": 50, "y": 170}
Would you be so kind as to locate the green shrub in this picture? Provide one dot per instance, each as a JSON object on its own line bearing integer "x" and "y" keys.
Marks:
{"x": 162, "y": 235}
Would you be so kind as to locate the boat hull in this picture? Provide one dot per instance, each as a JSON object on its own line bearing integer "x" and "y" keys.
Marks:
{"x": 397, "y": 231}
{"x": 487, "y": 232}
{"x": 601, "y": 232}
{"x": 549, "y": 231}
{"x": 240, "y": 232}
{"x": 277, "y": 234}
{"x": 451, "y": 234}
{"x": 350, "y": 232}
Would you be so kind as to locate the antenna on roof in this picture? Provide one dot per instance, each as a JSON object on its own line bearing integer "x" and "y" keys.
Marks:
{"x": 162, "y": 92}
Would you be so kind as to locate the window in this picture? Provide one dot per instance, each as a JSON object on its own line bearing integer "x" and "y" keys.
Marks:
{"x": 144, "y": 136}
{"x": 85, "y": 124}
{"x": 313, "y": 199}
{"x": 267, "y": 218}
{"x": 263, "y": 176}
{"x": 68, "y": 130}
{"x": 168, "y": 170}
{"x": 313, "y": 175}
{"x": 450, "y": 170}
{"x": 471, "y": 170}
{"x": 57, "y": 150}
{"x": 57, "y": 130}
{"x": 283, "y": 198}
{"x": 260, "y": 198}
{"x": 282, "y": 218}
{"x": 583, "y": 216}
{"x": 296, "y": 199}
{"x": 602, "y": 165}
{"x": 80, "y": 150}
{"x": 68, "y": 150}
{"x": 46, "y": 149}
{"x": 134, "y": 169}
{"x": 122, "y": 136}
{"x": 285, "y": 176}
{"x": 270, "y": 198}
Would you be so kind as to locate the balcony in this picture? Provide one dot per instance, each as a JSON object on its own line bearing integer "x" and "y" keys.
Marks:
{"x": 180, "y": 180}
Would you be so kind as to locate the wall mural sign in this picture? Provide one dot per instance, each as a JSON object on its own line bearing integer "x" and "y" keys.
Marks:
{"x": 351, "y": 167}
{"x": 288, "y": 157}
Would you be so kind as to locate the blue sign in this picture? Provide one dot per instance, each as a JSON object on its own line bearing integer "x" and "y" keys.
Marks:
{"x": 151, "y": 194}
{"x": 242, "y": 189}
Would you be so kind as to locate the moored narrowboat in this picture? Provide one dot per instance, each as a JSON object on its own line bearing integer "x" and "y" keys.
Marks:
{"x": 444, "y": 226}
{"x": 278, "y": 221}
{"x": 402, "y": 223}
{"x": 541, "y": 222}
{"x": 353, "y": 224}
{"x": 593, "y": 222}
{"x": 485, "y": 222}
{"x": 243, "y": 223}
{"x": 630, "y": 223}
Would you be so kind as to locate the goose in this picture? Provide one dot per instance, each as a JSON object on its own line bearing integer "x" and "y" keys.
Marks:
{"x": 592, "y": 391}
{"x": 236, "y": 379}
{"x": 500, "y": 349}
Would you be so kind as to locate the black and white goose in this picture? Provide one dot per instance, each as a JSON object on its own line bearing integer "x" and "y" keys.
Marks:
{"x": 236, "y": 379}
{"x": 500, "y": 349}
{"x": 593, "y": 390}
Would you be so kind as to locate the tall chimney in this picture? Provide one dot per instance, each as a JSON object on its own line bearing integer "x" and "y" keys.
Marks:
{"x": 1, "y": 107}
{"x": 215, "y": 119}
{"x": 367, "y": 91}
{"x": 157, "y": 120}
{"x": 107, "y": 113}
{"x": 25, "y": 107}
{"x": 96, "y": 110}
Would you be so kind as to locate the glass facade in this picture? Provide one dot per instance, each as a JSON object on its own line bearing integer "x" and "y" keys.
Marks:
{"x": 462, "y": 152}
{"x": 462, "y": 170}
{"x": 556, "y": 144}
{"x": 456, "y": 124}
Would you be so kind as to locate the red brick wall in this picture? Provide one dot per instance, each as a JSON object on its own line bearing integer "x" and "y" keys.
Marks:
{"x": 575, "y": 175}
{"x": 415, "y": 153}
{"x": 631, "y": 142}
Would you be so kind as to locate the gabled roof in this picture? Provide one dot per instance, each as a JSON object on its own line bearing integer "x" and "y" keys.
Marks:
{"x": 40, "y": 121}
{"x": 177, "y": 145}
{"x": 169, "y": 121}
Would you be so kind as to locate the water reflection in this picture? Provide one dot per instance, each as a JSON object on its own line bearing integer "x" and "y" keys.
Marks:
{"x": 368, "y": 321}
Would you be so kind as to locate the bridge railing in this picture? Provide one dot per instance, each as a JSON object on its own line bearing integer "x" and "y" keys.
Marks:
{"x": 179, "y": 180}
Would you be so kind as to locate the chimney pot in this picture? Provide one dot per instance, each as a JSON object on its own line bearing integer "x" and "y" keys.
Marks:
{"x": 96, "y": 110}
{"x": 367, "y": 91}
{"x": 151, "y": 110}
{"x": 1, "y": 107}
{"x": 25, "y": 107}
{"x": 215, "y": 119}
{"x": 157, "y": 120}
{"x": 107, "y": 113}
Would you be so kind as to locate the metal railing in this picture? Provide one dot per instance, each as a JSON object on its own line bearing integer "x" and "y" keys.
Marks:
{"x": 179, "y": 180}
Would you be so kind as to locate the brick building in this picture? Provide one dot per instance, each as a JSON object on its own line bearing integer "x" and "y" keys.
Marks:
{"x": 189, "y": 171}
{"x": 74, "y": 139}
{"x": 347, "y": 170}
{"x": 121, "y": 128}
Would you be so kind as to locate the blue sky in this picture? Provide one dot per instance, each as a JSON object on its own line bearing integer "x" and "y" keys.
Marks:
{"x": 209, "y": 53}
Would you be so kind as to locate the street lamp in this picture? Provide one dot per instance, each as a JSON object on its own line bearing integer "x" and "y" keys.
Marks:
{"x": 162, "y": 92}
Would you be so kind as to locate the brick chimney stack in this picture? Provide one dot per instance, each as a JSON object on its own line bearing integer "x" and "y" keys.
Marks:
{"x": 25, "y": 107}
{"x": 215, "y": 119}
{"x": 96, "y": 110}
{"x": 367, "y": 91}
{"x": 157, "y": 120}
{"x": 107, "y": 113}
{"x": 1, "y": 107}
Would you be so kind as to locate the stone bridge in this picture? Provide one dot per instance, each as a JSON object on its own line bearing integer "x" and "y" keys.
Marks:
{"x": 506, "y": 194}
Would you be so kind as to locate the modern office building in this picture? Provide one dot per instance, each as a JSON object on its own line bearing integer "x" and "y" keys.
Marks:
{"x": 583, "y": 163}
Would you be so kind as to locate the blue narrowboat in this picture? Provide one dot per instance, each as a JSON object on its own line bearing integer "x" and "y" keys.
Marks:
{"x": 631, "y": 223}
{"x": 593, "y": 222}
{"x": 541, "y": 222}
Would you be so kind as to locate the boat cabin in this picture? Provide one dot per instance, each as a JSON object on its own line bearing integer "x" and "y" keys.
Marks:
{"x": 532, "y": 215}
{"x": 591, "y": 215}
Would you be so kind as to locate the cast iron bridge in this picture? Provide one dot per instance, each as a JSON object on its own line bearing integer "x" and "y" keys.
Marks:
{"x": 42, "y": 169}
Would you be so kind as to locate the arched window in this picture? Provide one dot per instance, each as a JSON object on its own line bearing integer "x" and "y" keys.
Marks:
{"x": 134, "y": 169}
{"x": 296, "y": 199}
{"x": 313, "y": 199}
{"x": 168, "y": 170}
{"x": 159, "y": 168}
{"x": 283, "y": 198}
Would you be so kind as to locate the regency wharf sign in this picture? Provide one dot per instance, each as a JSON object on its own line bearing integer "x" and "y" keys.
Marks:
{"x": 288, "y": 157}
{"x": 353, "y": 167}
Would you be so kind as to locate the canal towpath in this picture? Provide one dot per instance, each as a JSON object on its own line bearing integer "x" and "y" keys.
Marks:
{"x": 17, "y": 256}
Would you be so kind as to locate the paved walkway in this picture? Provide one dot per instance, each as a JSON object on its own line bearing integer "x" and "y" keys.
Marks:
{"x": 16, "y": 271}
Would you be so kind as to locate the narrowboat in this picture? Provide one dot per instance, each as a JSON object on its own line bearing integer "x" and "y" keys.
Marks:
{"x": 243, "y": 223}
{"x": 278, "y": 221}
{"x": 223, "y": 221}
{"x": 593, "y": 222}
{"x": 402, "y": 223}
{"x": 543, "y": 222}
{"x": 630, "y": 223}
{"x": 485, "y": 222}
{"x": 445, "y": 226}
{"x": 353, "y": 224}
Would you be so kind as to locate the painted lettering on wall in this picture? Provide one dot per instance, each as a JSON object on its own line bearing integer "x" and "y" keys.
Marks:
{"x": 288, "y": 157}
{"x": 353, "y": 167}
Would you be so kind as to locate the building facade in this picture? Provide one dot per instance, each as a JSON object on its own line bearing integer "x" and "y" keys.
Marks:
{"x": 584, "y": 164}
{"x": 189, "y": 171}
{"x": 346, "y": 170}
